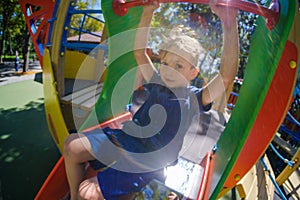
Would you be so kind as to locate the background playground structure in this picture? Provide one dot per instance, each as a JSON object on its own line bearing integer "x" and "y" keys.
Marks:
{"x": 75, "y": 84}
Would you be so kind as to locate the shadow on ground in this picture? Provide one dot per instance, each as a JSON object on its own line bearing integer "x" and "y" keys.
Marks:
{"x": 27, "y": 151}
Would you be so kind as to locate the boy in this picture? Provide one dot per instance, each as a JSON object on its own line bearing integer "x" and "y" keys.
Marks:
{"x": 152, "y": 140}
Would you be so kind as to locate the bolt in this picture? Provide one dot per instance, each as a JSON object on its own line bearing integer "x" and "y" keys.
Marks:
{"x": 293, "y": 64}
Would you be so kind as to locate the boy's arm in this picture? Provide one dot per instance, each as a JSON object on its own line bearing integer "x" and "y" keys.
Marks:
{"x": 141, "y": 39}
{"x": 229, "y": 60}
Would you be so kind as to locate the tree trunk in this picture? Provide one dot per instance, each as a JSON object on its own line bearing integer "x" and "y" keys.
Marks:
{"x": 4, "y": 25}
{"x": 1, "y": 48}
{"x": 26, "y": 51}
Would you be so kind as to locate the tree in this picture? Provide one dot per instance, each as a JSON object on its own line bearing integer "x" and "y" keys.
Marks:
{"x": 7, "y": 9}
{"x": 25, "y": 50}
{"x": 15, "y": 35}
{"x": 91, "y": 21}
{"x": 20, "y": 35}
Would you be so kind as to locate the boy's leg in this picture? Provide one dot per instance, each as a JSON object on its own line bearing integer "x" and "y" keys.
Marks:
{"x": 89, "y": 189}
{"x": 77, "y": 150}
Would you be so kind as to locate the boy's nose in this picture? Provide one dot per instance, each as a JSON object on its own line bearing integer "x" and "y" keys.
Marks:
{"x": 170, "y": 71}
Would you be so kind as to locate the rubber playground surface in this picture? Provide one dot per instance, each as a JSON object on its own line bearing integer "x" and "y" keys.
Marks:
{"x": 27, "y": 151}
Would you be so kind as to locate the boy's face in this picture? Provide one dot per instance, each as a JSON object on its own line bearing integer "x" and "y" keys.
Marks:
{"x": 176, "y": 71}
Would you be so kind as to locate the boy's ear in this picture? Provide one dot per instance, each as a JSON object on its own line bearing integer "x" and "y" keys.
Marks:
{"x": 194, "y": 73}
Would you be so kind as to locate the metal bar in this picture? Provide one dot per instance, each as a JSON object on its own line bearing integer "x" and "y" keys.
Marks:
{"x": 120, "y": 7}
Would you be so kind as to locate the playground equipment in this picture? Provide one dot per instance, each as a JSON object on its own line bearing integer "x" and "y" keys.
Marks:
{"x": 120, "y": 7}
{"x": 69, "y": 106}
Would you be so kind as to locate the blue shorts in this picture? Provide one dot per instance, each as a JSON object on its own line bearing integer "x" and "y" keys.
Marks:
{"x": 115, "y": 183}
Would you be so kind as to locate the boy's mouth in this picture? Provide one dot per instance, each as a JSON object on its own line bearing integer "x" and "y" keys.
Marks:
{"x": 170, "y": 83}
{"x": 169, "y": 80}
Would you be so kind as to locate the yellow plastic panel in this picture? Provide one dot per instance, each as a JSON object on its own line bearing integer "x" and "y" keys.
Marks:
{"x": 74, "y": 60}
{"x": 54, "y": 115}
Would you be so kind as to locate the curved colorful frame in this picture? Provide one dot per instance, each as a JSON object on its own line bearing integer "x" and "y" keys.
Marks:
{"x": 261, "y": 89}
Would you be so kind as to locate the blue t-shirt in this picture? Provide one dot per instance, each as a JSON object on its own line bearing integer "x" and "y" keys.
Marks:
{"x": 164, "y": 117}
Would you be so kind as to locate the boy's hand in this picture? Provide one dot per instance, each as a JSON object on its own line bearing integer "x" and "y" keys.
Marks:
{"x": 226, "y": 14}
{"x": 151, "y": 5}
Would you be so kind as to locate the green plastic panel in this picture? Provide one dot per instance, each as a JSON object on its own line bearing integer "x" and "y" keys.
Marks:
{"x": 265, "y": 52}
{"x": 121, "y": 34}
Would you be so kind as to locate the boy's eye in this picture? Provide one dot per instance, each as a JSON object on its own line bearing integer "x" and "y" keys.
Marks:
{"x": 178, "y": 66}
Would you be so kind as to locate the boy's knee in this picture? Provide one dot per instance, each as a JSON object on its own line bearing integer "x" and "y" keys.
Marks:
{"x": 68, "y": 149}
{"x": 77, "y": 148}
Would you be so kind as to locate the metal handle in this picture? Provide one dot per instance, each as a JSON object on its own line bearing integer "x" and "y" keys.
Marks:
{"x": 271, "y": 13}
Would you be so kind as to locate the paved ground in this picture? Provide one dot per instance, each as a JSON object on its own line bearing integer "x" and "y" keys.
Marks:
{"x": 9, "y": 75}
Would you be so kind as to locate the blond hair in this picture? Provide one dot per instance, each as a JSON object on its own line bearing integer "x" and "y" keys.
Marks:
{"x": 181, "y": 42}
